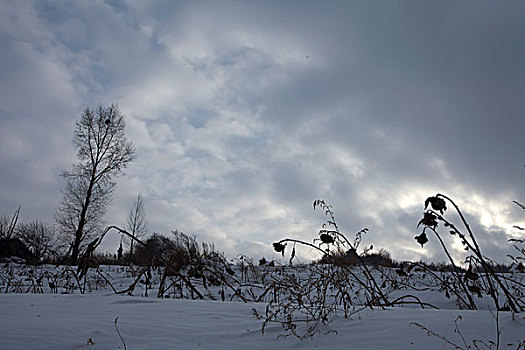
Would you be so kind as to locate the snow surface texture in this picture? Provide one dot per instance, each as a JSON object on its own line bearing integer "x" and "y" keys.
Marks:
{"x": 40, "y": 321}
{"x": 87, "y": 321}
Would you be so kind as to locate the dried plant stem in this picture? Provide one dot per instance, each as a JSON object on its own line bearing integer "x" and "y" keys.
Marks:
{"x": 107, "y": 280}
{"x": 491, "y": 277}
{"x": 457, "y": 276}
{"x": 434, "y": 334}
{"x": 120, "y": 335}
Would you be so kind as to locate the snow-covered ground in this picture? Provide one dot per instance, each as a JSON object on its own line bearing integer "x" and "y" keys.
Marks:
{"x": 47, "y": 321}
{"x": 87, "y": 321}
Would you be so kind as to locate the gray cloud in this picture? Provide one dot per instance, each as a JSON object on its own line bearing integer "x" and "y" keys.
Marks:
{"x": 244, "y": 113}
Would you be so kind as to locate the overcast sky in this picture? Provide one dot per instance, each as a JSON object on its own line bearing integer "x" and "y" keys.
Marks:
{"x": 245, "y": 112}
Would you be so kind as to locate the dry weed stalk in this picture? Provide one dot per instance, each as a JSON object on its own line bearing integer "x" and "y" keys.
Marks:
{"x": 119, "y": 334}
{"x": 310, "y": 295}
{"x": 185, "y": 264}
{"x": 476, "y": 343}
{"x": 487, "y": 282}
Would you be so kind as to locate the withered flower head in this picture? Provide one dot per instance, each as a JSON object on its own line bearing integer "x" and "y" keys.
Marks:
{"x": 422, "y": 238}
{"x": 429, "y": 220}
{"x": 475, "y": 289}
{"x": 326, "y": 238}
{"x": 401, "y": 273}
{"x": 436, "y": 203}
{"x": 471, "y": 275}
{"x": 278, "y": 247}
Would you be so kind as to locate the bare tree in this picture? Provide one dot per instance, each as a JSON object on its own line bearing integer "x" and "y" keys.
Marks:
{"x": 137, "y": 223}
{"x": 39, "y": 237}
{"x": 7, "y": 226}
{"x": 103, "y": 152}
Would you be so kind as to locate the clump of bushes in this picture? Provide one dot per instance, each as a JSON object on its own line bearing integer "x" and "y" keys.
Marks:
{"x": 34, "y": 242}
{"x": 350, "y": 257}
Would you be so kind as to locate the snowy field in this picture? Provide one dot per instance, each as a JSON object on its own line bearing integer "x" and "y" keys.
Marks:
{"x": 31, "y": 321}
{"x": 56, "y": 320}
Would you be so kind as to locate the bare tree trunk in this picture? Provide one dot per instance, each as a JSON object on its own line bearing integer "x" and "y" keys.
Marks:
{"x": 131, "y": 253}
{"x": 80, "y": 229}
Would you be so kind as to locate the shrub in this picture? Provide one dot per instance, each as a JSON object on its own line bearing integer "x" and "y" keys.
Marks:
{"x": 14, "y": 247}
{"x": 350, "y": 257}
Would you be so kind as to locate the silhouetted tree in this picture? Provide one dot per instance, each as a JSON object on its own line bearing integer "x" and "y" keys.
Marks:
{"x": 39, "y": 238}
{"x": 103, "y": 152}
{"x": 136, "y": 224}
